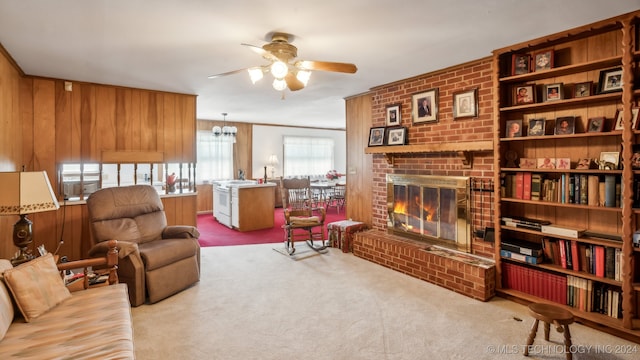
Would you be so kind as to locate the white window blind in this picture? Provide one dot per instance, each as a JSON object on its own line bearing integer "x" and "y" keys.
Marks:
{"x": 215, "y": 157}
{"x": 307, "y": 156}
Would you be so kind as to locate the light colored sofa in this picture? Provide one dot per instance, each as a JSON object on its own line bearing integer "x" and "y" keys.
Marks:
{"x": 41, "y": 319}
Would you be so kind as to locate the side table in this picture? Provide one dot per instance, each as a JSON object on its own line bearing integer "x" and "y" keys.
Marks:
{"x": 341, "y": 233}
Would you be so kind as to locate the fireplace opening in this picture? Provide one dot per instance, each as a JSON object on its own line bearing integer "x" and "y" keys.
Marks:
{"x": 433, "y": 209}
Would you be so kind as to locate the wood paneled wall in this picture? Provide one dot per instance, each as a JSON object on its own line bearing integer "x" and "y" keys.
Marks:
{"x": 10, "y": 137}
{"x": 43, "y": 124}
{"x": 359, "y": 165}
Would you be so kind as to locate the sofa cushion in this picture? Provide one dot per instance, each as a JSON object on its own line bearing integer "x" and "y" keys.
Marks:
{"x": 92, "y": 324}
{"x": 6, "y": 305}
{"x": 36, "y": 286}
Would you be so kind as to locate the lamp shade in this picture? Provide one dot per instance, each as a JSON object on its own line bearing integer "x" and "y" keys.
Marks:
{"x": 273, "y": 160}
{"x": 26, "y": 193}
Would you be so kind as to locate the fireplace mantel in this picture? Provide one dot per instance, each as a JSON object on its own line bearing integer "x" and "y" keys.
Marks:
{"x": 464, "y": 149}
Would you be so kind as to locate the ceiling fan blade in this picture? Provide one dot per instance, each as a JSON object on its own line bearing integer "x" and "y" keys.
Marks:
{"x": 326, "y": 66}
{"x": 227, "y": 73}
{"x": 262, "y": 52}
{"x": 293, "y": 83}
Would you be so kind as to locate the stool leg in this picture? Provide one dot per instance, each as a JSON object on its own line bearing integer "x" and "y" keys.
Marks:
{"x": 532, "y": 335}
{"x": 546, "y": 330}
{"x": 567, "y": 342}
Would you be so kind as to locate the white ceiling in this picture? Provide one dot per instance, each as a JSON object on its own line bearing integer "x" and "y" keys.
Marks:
{"x": 173, "y": 45}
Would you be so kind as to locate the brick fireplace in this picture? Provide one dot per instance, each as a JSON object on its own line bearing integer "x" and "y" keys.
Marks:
{"x": 469, "y": 271}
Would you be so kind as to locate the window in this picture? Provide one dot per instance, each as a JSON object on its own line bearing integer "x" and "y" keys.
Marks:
{"x": 307, "y": 156}
{"x": 215, "y": 157}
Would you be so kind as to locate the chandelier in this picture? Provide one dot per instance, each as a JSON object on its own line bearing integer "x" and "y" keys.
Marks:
{"x": 225, "y": 131}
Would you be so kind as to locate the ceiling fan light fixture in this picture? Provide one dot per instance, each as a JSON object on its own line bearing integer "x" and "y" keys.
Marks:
{"x": 303, "y": 76}
{"x": 279, "y": 69}
{"x": 279, "y": 84}
{"x": 255, "y": 73}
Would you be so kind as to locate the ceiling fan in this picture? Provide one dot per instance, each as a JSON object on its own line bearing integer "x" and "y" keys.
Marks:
{"x": 286, "y": 70}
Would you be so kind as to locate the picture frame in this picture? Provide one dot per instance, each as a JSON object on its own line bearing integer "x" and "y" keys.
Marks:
{"x": 610, "y": 80}
{"x": 536, "y": 127}
{"x": 563, "y": 163}
{"x": 394, "y": 117}
{"x": 635, "y": 157}
{"x": 376, "y": 136}
{"x": 553, "y": 92}
{"x": 582, "y": 89}
{"x": 513, "y": 129}
{"x": 543, "y": 60}
{"x": 565, "y": 125}
{"x": 583, "y": 164}
{"x": 424, "y": 106}
{"x": 396, "y": 136}
{"x": 528, "y": 163}
{"x": 619, "y": 125}
{"x": 546, "y": 163}
{"x": 524, "y": 94}
{"x": 596, "y": 124}
{"x": 520, "y": 64}
{"x": 609, "y": 160}
{"x": 465, "y": 104}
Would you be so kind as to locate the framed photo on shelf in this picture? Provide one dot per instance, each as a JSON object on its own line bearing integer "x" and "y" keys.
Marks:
{"x": 596, "y": 124}
{"x": 609, "y": 160}
{"x": 536, "y": 127}
{"x": 620, "y": 119}
{"x": 524, "y": 94}
{"x": 543, "y": 60}
{"x": 546, "y": 163}
{"x": 465, "y": 104}
{"x": 563, "y": 163}
{"x": 393, "y": 115}
{"x": 513, "y": 129}
{"x": 610, "y": 80}
{"x": 376, "y": 136}
{"x": 553, "y": 92}
{"x": 528, "y": 163}
{"x": 565, "y": 125}
{"x": 424, "y": 106}
{"x": 635, "y": 157}
{"x": 520, "y": 64}
{"x": 396, "y": 136}
{"x": 582, "y": 89}
{"x": 584, "y": 164}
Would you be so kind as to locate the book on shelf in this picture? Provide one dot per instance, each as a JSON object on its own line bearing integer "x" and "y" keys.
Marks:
{"x": 519, "y": 186}
{"x": 526, "y": 185}
{"x": 522, "y": 247}
{"x": 609, "y": 190}
{"x": 536, "y": 186}
{"x": 562, "y": 231}
{"x": 519, "y": 257}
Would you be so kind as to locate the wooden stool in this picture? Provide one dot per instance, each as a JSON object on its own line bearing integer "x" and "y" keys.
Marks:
{"x": 548, "y": 313}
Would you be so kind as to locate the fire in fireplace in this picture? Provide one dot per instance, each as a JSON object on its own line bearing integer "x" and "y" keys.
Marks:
{"x": 433, "y": 209}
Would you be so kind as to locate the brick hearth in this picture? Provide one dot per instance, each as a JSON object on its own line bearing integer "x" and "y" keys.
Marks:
{"x": 460, "y": 272}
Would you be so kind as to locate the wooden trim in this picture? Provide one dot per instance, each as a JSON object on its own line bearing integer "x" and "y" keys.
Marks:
{"x": 11, "y": 61}
{"x": 132, "y": 156}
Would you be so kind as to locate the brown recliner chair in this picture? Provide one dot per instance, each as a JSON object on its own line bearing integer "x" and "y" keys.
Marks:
{"x": 156, "y": 260}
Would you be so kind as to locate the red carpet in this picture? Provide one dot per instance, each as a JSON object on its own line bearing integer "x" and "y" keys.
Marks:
{"x": 213, "y": 233}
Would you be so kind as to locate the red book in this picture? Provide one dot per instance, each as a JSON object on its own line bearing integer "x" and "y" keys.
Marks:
{"x": 526, "y": 186}
{"x": 563, "y": 253}
{"x": 599, "y": 250}
{"x": 520, "y": 186}
{"x": 575, "y": 257}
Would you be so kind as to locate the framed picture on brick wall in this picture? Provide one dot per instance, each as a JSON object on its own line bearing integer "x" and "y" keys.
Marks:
{"x": 424, "y": 106}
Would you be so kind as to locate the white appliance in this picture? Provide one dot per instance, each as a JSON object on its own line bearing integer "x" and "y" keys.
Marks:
{"x": 222, "y": 204}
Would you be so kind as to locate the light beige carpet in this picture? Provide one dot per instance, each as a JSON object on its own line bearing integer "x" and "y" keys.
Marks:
{"x": 255, "y": 303}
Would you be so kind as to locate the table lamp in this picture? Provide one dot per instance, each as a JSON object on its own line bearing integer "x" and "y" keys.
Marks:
{"x": 23, "y": 193}
{"x": 273, "y": 162}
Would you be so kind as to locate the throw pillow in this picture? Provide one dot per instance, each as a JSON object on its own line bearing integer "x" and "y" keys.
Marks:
{"x": 36, "y": 286}
{"x": 6, "y": 305}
